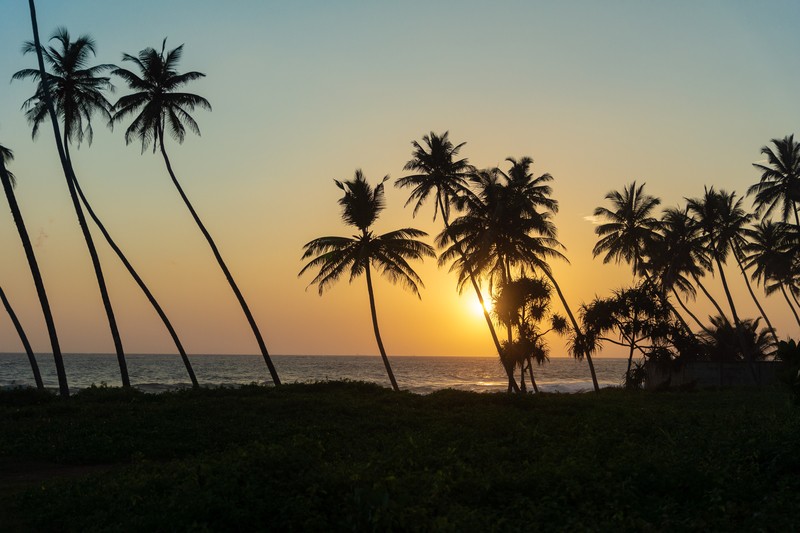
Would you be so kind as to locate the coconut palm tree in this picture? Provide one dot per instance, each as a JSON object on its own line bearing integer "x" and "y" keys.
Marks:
{"x": 158, "y": 108}
{"x": 712, "y": 213}
{"x": 440, "y": 174}
{"x": 767, "y": 249}
{"x": 780, "y": 180}
{"x": 9, "y": 181}
{"x": 387, "y": 253}
{"x": 630, "y": 227}
{"x": 72, "y": 92}
{"x": 499, "y": 232}
{"x": 63, "y": 387}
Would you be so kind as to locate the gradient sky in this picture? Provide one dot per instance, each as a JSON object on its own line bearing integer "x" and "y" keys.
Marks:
{"x": 676, "y": 94}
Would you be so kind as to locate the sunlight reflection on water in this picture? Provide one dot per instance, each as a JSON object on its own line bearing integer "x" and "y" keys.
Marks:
{"x": 156, "y": 373}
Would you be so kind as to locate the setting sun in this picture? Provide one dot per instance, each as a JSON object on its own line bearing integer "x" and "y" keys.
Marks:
{"x": 476, "y": 307}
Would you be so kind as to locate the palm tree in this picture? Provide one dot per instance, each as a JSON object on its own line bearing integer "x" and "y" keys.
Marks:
{"x": 712, "y": 213}
{"x": 387, "y": 253}
{"x": 439, "y": 173}
{"x": 630, "y": 228}
{"x": 74, "y": 94}
{"x": 9, "y": 181}
{"x": 780, "y": 179}
{"x": 499, "y": 231}
{"x": 767, "y": 249}
{"x": 159, "y": 107}
{"x": 63, "y": 387}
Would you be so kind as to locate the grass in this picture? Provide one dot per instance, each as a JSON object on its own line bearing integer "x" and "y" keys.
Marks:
{"x": 339, "y": 456}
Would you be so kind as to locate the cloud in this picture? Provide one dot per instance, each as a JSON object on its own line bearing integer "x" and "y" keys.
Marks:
{"x": 593, "y": 219}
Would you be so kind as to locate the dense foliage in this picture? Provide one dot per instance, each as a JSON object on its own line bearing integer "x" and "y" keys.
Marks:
{"x": 339, "y": 456}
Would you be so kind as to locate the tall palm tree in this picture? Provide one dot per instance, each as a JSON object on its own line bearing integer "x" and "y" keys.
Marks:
{"x": 767, "y": 249}
{"x": 630, "y": 234}
{"x": 387, "y": 253}
{"x": 780, "y": 179}
{"x": 441, "y": 174}
{"x": 73, "y": 93}
{"x": 159, "y": 107}
{"x": 498, "y": 232}
{"x": 9, "y": 181}
{"x": 679, "y": 255}
{"x": 712, "y": 215}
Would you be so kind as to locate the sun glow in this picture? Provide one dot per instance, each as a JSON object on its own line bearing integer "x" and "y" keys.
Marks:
{"x": 477, "y": 308}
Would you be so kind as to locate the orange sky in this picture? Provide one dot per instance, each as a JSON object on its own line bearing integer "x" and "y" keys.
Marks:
{"x": 674, "y": 95}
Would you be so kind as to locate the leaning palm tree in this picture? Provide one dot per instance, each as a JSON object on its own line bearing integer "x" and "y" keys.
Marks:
{"x": 767, "y": 249}
{"x": 387, "y": 253}
{"x": 711, "y": 214}
{"x": 499, "y": 232}
{"x": 9, "y": 181}
{"x": 72, "y": 92}
{"x": 780, "y": 180}
{"x": 159, "y": 108}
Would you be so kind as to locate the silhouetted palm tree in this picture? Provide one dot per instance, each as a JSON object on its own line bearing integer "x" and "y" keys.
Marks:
{"x": 439, "y": 173}
{"x": 767, "y": 249}
{"x": 499, "y": 231}
{"x": 8, "y": 181}
{"x": 780, "y": 179}
{"x": 719, "y": 227}
{"x": 387, "y": 253}
{"x": 159, "y": 107}
{"x": 73, "y": 93}
{"x": 630, "y": 227}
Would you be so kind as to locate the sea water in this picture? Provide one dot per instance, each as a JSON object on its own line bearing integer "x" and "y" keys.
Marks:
{"x": 155, "y": 373}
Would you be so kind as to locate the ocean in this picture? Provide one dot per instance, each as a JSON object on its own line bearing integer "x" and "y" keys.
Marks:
{"x": 418, "y": 374}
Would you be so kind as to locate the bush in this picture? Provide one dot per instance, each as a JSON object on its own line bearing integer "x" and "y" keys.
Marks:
{"x": 789, "y": 354}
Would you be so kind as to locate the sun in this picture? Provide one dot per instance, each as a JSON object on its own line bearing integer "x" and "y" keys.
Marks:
{"x": 476, "y": 307}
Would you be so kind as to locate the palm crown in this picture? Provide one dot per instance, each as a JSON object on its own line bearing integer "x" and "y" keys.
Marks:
{"x": 156, "y": 103}
{"x": 388, "y": 253}
{"x": 780, "y": 179}
{"x": 76, "y": 89}
{"x": 6, "y": 156}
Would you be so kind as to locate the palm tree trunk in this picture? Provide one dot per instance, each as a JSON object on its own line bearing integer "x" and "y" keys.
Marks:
{"x": 711, "y": 299}
{"x": 510, "y": 373}
{"x": 26, "y": 243}
{"x": 533, "y": 380}
{"x": 98, "y": 269}
{"x": 739, "y": 333}
{"x": 688, "y": 312}
{"x": 141, "y": 284}
{"x": 378, "y": 332}
{"x": 250, "y": 320}
{"x": 788, "y": 301}
{"x": 37, "y": 376}
{"x": 736, "y": 253}
{"x": 574, "y": 325}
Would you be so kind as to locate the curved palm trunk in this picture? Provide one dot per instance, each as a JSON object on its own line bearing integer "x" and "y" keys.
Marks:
{"x": 98, "y": 269}
{"x": 378, "y": 333}
{"x": 250, "y": 320}
{"x": 739, "y": 333}
{"x": 533, "y": 380}
{"x": 788, "y": 301}
{"x": 37, "y": 376}
{"x": 574, "y": 325}
{"x": 665, "y": 301}
{"x": 711, "y": 298}
{"x": 688, "y": 312}
{"x": 736, "y": 253}
{"x": 509, "y": 372}
{"x": 141, "y": 284}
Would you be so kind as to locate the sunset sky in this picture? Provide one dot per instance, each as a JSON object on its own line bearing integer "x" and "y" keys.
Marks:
{"x": 675, "y": 94}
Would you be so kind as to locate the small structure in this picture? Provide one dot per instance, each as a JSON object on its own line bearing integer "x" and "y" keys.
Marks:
{"x": 705, "y": 374}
